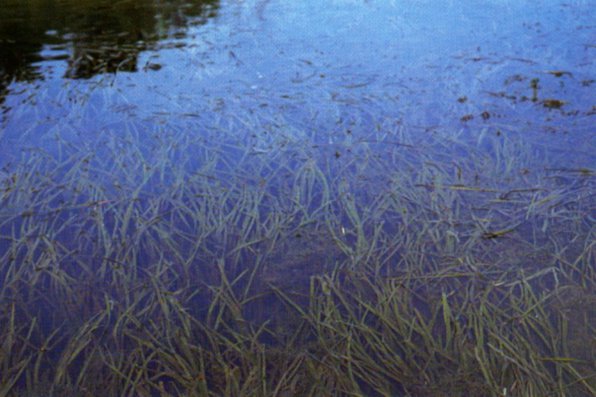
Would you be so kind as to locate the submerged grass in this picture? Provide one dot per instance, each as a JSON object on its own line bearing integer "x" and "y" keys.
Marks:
{"x": 171, "y": 266}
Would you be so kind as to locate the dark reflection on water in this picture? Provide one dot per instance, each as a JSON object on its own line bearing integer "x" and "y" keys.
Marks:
{"x": 94, "y": 36}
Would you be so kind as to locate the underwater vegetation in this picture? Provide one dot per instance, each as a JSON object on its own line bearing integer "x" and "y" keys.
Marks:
{"x": 257, "y": 198}
{"x": 178, "y": 266}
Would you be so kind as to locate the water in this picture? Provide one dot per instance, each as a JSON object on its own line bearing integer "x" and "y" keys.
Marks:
{"x": 187, "y": 158}
{"x": 310, "y": 61}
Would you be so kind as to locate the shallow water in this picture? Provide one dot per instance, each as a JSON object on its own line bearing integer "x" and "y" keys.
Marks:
{"x": 174, "y": 144}
{"x": 317, "y": 67}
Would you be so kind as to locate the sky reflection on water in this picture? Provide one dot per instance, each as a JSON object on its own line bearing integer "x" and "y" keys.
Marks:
{"x": 311, "y": 63}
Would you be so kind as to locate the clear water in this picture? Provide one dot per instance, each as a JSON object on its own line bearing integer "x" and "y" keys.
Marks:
{"x": 493, "y": 96}
{"x": 314, "y": 66}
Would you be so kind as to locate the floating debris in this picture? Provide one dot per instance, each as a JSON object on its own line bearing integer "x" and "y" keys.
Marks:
{"x": 152, "y": 66}
{"x": 553, "y": 103}
{"x": 534, "y": 86}
{"x": 559, "y": 73}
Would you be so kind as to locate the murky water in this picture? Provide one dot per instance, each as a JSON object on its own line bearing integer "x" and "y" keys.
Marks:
{"x": 190, "y": 157}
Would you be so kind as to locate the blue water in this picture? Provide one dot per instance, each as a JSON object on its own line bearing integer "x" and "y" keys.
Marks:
{"x": 497, "y": 96}
{"x": 317, "y": 67}
{"x": 146, "y": 131}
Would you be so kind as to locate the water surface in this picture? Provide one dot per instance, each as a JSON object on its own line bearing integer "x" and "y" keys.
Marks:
{"x": 190, "y": 167}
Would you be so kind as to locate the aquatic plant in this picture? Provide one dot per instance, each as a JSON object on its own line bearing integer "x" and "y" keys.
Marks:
{"x": 174, "y": 266}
